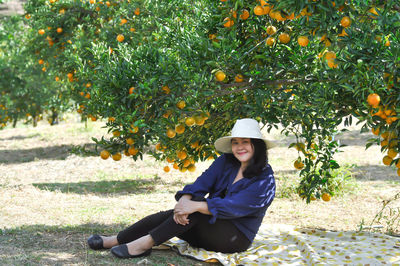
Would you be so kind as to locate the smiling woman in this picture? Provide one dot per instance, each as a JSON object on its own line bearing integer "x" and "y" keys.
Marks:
{"x": 240, "y": 185}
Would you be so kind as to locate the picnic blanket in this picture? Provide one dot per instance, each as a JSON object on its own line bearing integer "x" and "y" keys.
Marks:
{"x": 288, "y": 245}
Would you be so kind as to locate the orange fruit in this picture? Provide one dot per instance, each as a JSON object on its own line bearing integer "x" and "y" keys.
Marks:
{"x": 303, "y": 40}
{"x": 41, "y": 31}
{"x": 57, "y": 78}
{"x": 271, "y": 30}
{"x": 120, "y": 38}
{"x": 104, "y": 154}
{"x": 181, "y": 155}
{"x": 41, "y": 62}
{"x": 59, "y": 30}
{"x": 245, "y": 14}
{"x": 181, "y": 104}
{"x": 284, "y": 37}
{"x": 175, "y": 166}
{"x": 116, "y": 133}
{"x": 134, "y": 129}
{"x": 387, "y": 43}
{"x": 166, "y": 89}
{"x": 166, "y": 169}
{"x": 27, "y": 16}
{"x": 195, "y": 144}
{"x": 186, "y": 163}
{"x": 387, "y": 160}
{"x": 373, "y": 11}
{"x": 228, "y": 22}
{"x": 220, "y": 75}
{"x": 298, "y": 164}
{"x": 199, "y": 120}
{"x": 266, "y": 10}
{"x": 373, "y": 99}
{"x": 137, "y": 11}
{"x": 132, "y": 150}
{"x": 392, "y": 153}
{"x": 239, "y": 78}
{"x": 330, "y": 55}
{"x": 117, "y": 156}
{"x": 375, "y": 131}
{"x": 326, "y": 197}
{"x": 191, "y": 168}
{"x": 180, "y": 128}
{"x": 170, "y": 160}
{"x": 131, "y": 89}
{"x": 111, "y": 119}
{"x": 182, "y": 169}
{"x": 189, "y": 121}
{"x": 123, "y": 21}
{"x": 258, "y": 10}
{"x": 345, "y": 22}
{"x": 129, "y": 141}
{"x": 278, "y": 16}
{"x": 331, "y": 63}
{"x": 170, "y": 133}
{"x": 270, "y": 41}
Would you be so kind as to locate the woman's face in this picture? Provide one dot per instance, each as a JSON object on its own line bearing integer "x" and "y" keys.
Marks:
{"x": 242, "y": 149}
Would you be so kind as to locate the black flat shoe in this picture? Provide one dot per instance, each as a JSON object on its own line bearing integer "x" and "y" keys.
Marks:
{"x": 121, "y": 251}
{"x": 95, "y": 242}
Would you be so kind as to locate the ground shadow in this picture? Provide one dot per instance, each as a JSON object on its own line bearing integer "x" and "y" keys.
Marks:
{"x": 40, "y": 244}
{"x": 127, "y": 186}
{"x": 20, "y": 137}
{"x": 60, "y": 152}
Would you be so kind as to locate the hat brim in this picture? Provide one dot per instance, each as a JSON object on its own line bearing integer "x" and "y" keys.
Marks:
{"x": 224, "y": 144}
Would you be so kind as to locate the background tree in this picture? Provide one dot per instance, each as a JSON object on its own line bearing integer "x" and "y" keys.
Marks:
{"x": 179, "y": 73}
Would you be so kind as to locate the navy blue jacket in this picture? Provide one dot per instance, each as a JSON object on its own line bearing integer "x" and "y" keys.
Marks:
{"x": 244, "y": 202}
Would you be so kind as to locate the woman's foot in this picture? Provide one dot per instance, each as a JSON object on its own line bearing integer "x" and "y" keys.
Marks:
{"x": 137, "y": 248}
{"x": 122, "y": 252}
{"x": 98, "y": 242}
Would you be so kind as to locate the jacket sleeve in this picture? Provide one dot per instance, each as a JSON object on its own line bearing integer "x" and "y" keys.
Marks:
{"x": 205, "y": 182}
{"x": 246, "y": 202}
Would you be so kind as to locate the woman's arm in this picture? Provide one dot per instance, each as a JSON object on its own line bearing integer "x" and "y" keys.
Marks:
{"x": 186, "y": 206}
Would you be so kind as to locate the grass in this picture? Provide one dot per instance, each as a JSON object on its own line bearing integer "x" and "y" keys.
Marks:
{"x": 53, "y": 200}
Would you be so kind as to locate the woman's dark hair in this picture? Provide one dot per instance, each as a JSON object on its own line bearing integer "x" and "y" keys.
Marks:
{"x": 257, "y": 162}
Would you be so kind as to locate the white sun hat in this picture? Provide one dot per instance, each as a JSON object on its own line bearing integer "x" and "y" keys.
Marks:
{"x": 243, "y": 128}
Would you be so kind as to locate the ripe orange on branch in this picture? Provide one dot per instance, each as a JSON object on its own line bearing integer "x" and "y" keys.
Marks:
{"x": 120, "y": 38}
{"x": 345, "y": 22}
{"x": 373, "y": 99}
{"x": 284, "y": 37}
{"x": 220, "y": 75}
{"x": 104, "y": 154}
{"x": 303, "y": 40}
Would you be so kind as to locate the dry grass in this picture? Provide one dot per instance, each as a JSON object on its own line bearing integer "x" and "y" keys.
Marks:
{"x": 52, "y": 200}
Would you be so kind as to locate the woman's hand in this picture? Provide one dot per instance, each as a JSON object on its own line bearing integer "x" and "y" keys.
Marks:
{"x": 185, "y": 206}
{"x": 181, "y": 219}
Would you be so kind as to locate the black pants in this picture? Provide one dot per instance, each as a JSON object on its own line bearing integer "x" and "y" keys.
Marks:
{"x": 222, "y": 236}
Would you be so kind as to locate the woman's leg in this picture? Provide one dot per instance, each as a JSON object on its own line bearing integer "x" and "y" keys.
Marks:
{"x": 136, "y": 230}
{"x": 143, "y": 227}
{"x": 222, "y": 236}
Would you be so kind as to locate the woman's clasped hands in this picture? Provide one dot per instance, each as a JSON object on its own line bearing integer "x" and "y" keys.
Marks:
{"x": 183, "y": 208}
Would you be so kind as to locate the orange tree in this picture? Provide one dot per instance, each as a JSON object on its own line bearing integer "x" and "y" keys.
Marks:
{"x": 179, "y": 73}
{"x": 27, "y": 92}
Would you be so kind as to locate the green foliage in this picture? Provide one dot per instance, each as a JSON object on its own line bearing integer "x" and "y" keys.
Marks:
{"x": 136, "y": 62}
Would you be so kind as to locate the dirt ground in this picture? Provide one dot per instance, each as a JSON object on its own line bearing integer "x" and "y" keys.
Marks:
{"x": 64, "y": 197}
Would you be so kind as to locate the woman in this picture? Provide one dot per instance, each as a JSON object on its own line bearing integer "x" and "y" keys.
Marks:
{"x": 240, "y": 187}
